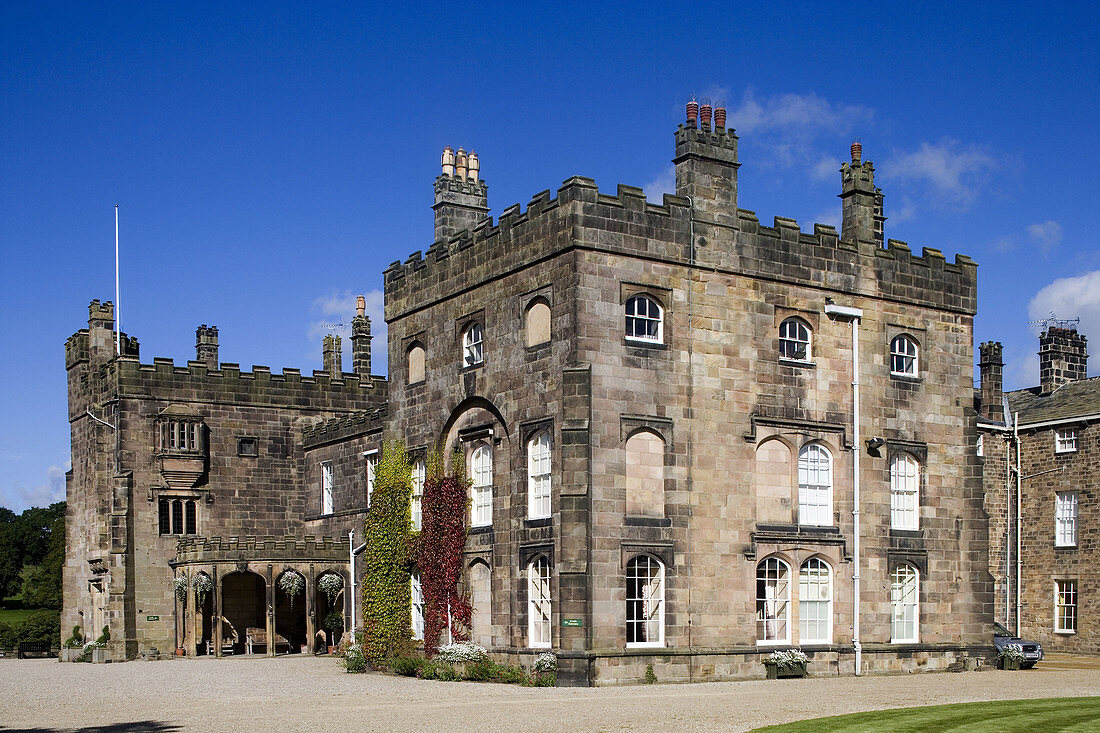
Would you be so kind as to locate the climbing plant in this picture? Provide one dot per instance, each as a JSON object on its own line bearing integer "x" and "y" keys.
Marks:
{"x": 439, "y": 552}
{"x": 386, "y": 603}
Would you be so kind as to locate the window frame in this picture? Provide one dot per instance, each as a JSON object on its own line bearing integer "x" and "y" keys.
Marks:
{"x": 1065, "y": 606}
{"x": 416, "y": 605}
{"x": 327, "y": 491}
{"x": 645, "y": 612}
{"x": 900, "y": 347}
{"x": 803, "y": 337}
{"x": 808, "y": 490}
{"x": 418, "y": 476}
{"x": 1066, "y": 517}
{"x": 370, "y": 461}
{"x": 822, "y": 568}
{"x": 905, "y": 491}
{"x": 540, "y": 607}
{"x": 904, "y": 596}
{"x": 473, "y": 345}
{"x": 481, "y": 485}
{"x": 539, "y": 489}
{"x": 780, "y": 616}
{"x": 634, "y": 318}
{"x": 177, "y": 522}
{"x": 1065, "y": 441}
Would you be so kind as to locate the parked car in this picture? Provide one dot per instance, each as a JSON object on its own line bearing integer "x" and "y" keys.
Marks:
{"x": 1033, "y": 650}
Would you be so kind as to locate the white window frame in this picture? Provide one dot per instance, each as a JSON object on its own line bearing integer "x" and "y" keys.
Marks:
{"x": 795, "y": 340}
{"x": 1065, "y": 606}
{"x": 815, "y": 485}
{"x": 981, "y": 446}
{"x": 645, "y": 324}
{"x": 473, "y": 351}
{"x": 416, "y": 604}
{"x": 1065, "y": 518}
{"x": 326, "y": 487}
{"x": 905, "y": 604}
{"x": 905, "y": 476}
{"x": 904, "y": 353}
{"x": 419, "y": 472}
{"x": 1065, "y": 441}
{"x": 370, "y": 459}
{"x": 539, "y": 605}
{"x": 815, "y": 602}
{"x": 645, "y": 602}
{"x": 538, "y": 476}
{"x": 481, "y": 486}
{"x": 773, "y": 602}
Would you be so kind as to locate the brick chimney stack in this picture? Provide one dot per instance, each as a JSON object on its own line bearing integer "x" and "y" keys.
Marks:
{"x": 861, "y": 202}
{"x": 206, "y": 346}
{"x": 331, "y": 356}
{"x": 461, "y": 197}
{"x": 991, "y": 368}
{"x": 706, "y": 162}
{"x": 360, "y": 340}
{"x": 1063, "y": 357}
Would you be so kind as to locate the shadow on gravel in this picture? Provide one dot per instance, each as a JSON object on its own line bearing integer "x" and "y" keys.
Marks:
{"x": 142, "y": 726}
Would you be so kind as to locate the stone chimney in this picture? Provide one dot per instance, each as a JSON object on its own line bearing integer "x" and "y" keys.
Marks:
{"x": 991, "y": 369}
{"x": 706, "y": 162}
{"x": 861, "y": 202}
{"x": 206, "y": 346}
{"x": 1063, "y": 357}
{"x": 360, "y": 340}
{"x": 331, "y": 356}
{"x": 461, "y": 197}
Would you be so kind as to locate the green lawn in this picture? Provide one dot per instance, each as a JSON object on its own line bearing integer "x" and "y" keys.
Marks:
{"x": 1032, "y": 716}
{"x": 13, "y": 616}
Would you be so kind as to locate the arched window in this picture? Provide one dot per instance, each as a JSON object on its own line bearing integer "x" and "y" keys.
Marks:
{"x": 903, "y": 356}
{"x": 471, "y": 346}
{"x": 418, "y": 472}
{"x": 538, "y": 476}
{"x": 481, "y": 488}
{"x": 794, "y": 340}
{"x": 481, "y": 603}
{"x": 417, "y": 599}
{"x": 815, "y": 602}
{"x": 644, "y": 320}
{"x": 773, "y": 601}
{"x": 538, "y": 602}
{"x": 815, "y": 486}
{"x": 645, "y": 475}
{"x": 904, "y": 597}
{"x": 415, "y": 359}
{"x": 326, "y": 487}
{"x": 645, "y": 602}
{"x": 774, "y": 483}
{"x": 538, "y": 323}
{"x": 904, "y": 491}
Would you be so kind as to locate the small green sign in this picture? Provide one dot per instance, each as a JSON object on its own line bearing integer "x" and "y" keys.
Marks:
{"x": 572, "y": 622}
{"x": 152, "y": 618}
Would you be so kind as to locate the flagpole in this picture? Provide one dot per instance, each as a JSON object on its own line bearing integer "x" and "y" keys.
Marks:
{"x": 118, "y": 303}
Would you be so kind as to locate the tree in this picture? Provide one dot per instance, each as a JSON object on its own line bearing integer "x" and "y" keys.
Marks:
{"x": 32, "y": 552}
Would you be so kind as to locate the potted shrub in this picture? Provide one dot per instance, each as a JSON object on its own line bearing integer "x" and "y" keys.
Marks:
{"x": 786, "y": 663}
{"x": 333, "y": 622}
{"x": 100, "y": 654}
{"x": 74, "y": 646}
{"x": 1011, "y": 657}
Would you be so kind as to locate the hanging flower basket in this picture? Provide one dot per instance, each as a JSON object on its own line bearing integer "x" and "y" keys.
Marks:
{"x": 180, "y": 584}
{"x": 330, "y": 584}
{"x": 291, "y": 582}
{"x": 202, "y": 585}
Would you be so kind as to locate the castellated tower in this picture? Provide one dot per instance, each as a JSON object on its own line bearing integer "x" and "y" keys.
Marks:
{"x": 706, "y": 163}
{"x": 862, "y": 212}
{"x": 461, "y": 197}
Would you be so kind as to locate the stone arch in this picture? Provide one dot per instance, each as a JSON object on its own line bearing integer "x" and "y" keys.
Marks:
{"x": 775, "y": 481}
{"x": 324, "y": 607}
{"x": 536, "y": 319}
{"x": 290, "y": 611}
{"x": 243, "y": 605}
{"x": 645, "y": 473}
{"x": 480, "y": 586}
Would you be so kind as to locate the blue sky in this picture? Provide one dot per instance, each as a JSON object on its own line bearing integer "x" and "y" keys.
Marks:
{"x": 269, "y": 160}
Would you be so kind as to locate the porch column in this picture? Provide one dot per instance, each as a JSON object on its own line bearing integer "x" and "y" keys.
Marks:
{"x": 217, "y": 605}
{"x": 190, "y": 612}
{"x": 311, "y": 591}
{"x": 270, "y": 611}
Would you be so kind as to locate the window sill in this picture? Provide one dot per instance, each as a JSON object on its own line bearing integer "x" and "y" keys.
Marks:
{"x": 905, "y": 378}
{"x": 471, "y": 367}
{"x": 641, "y": 344}
{"x": 1066, "y": 547}
{"x": 417, "y": 383}
{"x": 538, "y": 347}
{"x": 645, "y": 645}
{"x": 905, "y": 641}
{"x": 537, "y": 522}
{"x": 773, "y": 642}
{"x": 1065, "y": 452}
{"x": 1065, "y": 633}
{"x": 913, "y": 532}
{"x": 481, "y": 528}
{"x": 804, "y": 364}
{"x": 647, "y": 522}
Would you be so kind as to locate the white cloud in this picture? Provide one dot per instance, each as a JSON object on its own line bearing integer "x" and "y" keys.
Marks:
{"x": 831, "y": 216}
{"x": 802, "y": 114}
{"x": 1047, "y": 235}
{"x": 1069, "y": 298}
{"x": 332, "y": 313}
{"x": 826, "y": 169}
{"x": 953, "y": 173}
{"x": 1022, "y": 371}
{"x": 18, "y": 497}
{"x": 664, "y": 182}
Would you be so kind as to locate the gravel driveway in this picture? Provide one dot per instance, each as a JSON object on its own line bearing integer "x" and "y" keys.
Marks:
{"x": 314, "y": 694}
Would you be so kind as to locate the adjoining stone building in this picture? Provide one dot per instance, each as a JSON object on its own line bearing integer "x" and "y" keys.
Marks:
{"x": 1040, "y": 448}
{"x": 688, "y": 433}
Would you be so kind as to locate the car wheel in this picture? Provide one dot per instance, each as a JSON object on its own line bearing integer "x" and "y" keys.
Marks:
{"x": 1027, "y": 665}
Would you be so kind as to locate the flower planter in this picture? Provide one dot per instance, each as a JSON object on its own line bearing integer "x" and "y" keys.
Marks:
{"x": 305, "y": 648}
{"x": 71, "y": 654}
{"x": 1010, "y": 664}
{"x": 180, "y": 651}
{"x": 100, "y": 656}
{"x": 776, "y": 671}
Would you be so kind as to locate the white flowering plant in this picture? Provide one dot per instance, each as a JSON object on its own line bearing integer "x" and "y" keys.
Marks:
{"x": 463, "y": 651}
{"x": 202, "y": 585}
{"x": 330, "y": 584}
{"x": 546, "y": 662}
{"x": 180, "y": 583}
{"x": 291, "y": 582}
{"x": 787, "y": 658}
{"x": 1013, "y": 653}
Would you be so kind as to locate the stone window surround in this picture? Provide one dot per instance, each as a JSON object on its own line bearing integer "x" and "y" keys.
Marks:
{"x": 763, "y": 615}
{"x": 1066, "y": 596}
{"x": 810, "y": 319}
{"x": 168, "y": 499}
{"x": 527, "y": 301}
{"x": 646, "y": 620}
{"x": 904, "y": 347}
{"x": 920, "y": 338}
{"x": 1066, "y": 517}
{"x": 662, "y": 297}
{"x": 326, "y": 484}
{"x": 794, "y": 332}
{"x": 1065, "y": 440}
{"x": 243, "y": 443}
{"x": 916, "y": 574}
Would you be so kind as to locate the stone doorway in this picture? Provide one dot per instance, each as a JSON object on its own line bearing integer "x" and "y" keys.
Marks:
{"x": 290, "y": 617}
{"x": 243, "y": 606}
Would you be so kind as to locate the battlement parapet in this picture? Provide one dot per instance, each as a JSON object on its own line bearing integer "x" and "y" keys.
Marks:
{"x": 251, "y": 548}
{"x": 719, "y": 144}
{"x": 460, "y": 185}
{"x": 76, "y": 349}
{"x": 580, "y": 216}
{"x": 340, "y": 428}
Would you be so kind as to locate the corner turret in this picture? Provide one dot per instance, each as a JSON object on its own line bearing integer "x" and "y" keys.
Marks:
{"x": 206, "y": 345}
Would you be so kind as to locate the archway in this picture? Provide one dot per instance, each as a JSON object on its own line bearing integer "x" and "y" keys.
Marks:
{"x": 290, "y": 611}
{"x": 243, "y": 607}
{"x": 328, "y": 604}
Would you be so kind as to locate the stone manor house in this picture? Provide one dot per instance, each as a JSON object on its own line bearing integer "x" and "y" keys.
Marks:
{"x": 693, "y": 439}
